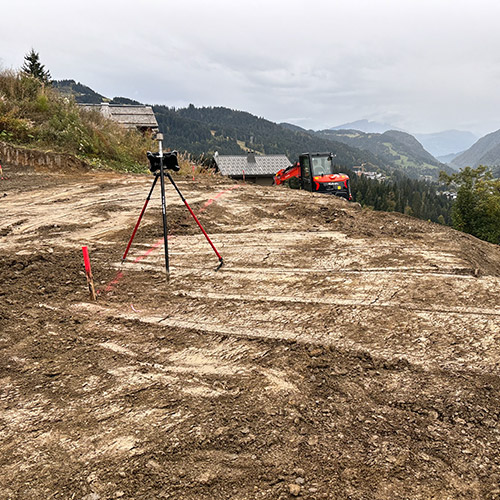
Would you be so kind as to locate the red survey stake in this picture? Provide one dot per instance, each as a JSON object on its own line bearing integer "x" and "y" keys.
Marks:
{"x": 88, "y": 272}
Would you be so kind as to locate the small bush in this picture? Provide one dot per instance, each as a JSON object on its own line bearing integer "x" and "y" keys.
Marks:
{"x": 14, "y": 129}
{"x": 42, "y": 103}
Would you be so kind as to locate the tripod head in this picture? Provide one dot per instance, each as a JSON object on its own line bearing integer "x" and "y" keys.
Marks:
{"x": 169, "y": 161}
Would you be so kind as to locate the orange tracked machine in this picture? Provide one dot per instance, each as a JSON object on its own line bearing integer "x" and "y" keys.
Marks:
{"x": 315, "y": 173}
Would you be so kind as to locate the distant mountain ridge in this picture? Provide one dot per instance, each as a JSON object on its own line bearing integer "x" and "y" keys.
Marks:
{"x": 80, "y": 92}
{"x": 85, "y": 95}
{"x": 209, "y": 129}
{"x": 448, "y": 158}
{"x": 438, "y": 143}
{"x": 366, "y": 126}
{"x": 486, "y": 151}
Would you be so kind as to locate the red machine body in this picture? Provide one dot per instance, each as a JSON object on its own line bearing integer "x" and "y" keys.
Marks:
{"x": 315, "y": 173}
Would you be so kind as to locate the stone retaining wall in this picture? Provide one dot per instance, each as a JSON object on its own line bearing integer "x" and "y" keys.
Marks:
{"x": 39, "y": 160}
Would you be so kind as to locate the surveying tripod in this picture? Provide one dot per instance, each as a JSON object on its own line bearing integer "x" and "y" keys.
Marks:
{"x": 159, "y": 165}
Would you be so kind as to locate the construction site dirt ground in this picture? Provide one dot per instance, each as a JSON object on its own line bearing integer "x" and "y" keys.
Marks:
{"x": 339, "y": 353}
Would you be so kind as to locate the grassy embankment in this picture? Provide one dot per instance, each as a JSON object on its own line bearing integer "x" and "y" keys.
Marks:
{"x": 38, "y": 117}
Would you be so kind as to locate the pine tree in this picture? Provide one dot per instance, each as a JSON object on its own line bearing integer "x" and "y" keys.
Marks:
{"x": 33, "y": 67}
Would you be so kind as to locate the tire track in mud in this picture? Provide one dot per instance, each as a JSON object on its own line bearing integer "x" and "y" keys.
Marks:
{"x": 309, "y": 330}
{"x": 474, "y": 311}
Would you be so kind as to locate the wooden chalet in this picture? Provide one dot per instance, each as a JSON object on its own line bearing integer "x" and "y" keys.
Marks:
{"x": 137, "y": 117}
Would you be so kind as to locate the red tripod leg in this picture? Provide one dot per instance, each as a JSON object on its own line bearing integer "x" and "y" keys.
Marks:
{"x": 140, "y": 218}
{"x": 221, "y": 262}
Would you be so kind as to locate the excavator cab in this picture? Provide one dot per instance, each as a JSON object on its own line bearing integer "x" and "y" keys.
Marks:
{"x": 317, "y": 175}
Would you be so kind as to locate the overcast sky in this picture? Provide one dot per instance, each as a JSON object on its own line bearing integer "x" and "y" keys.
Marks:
{"x": 420, "y": 65}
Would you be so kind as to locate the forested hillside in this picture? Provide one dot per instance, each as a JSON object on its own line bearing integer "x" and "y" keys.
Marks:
{"x": 80, "y": 92}
{"x": 83, "y": 94}
{"x": 206, "y": 130}
{"x": 402, "y": 194}
{"x": 203, "y": 131}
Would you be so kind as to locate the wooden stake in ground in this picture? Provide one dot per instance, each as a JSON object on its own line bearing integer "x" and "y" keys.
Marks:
{"x": 88, "y": 273}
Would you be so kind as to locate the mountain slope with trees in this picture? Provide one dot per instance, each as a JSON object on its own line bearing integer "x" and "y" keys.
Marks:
{"x": 486, "y": 151}
{"x": 81, "y": 93}
{"x": 210, "y": 129}
{"x": 205, "y": 130}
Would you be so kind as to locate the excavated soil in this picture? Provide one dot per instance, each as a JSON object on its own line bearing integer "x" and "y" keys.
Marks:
{"x": 339, "y": 353}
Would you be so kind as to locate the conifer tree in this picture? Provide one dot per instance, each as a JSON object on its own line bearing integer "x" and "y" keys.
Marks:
{"x": 33, "y": 67}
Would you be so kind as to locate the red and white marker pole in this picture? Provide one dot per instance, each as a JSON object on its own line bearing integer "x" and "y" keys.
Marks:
{"x": 88, "y": 273}
{"x": 193, "y": 171}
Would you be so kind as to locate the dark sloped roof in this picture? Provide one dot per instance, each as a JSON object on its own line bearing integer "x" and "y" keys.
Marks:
{"x": 130, "y": 116}
{"x": 263, "y": 165}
